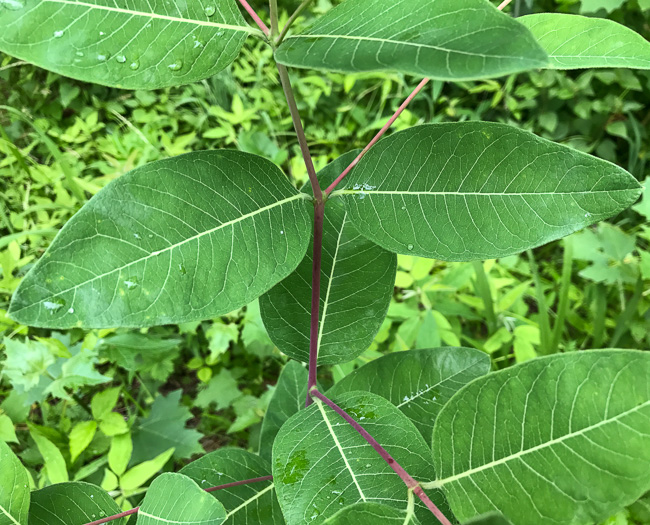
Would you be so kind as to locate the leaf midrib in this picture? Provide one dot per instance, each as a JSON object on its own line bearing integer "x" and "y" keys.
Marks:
{"x": 243, "y": 29}
{"x": 442, "y": 482}
{"x": 251, "y": 499}
{"x": 175, "y": 522}
{"x": 479, "y": 193}
{"x": 4, "y": 511}
{"x": 173, "y": 246}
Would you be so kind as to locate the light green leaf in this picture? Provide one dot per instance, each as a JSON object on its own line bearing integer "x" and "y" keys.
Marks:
{"x": 186, "y": 238}
{"x": 174, "y": 498}
{"x": 55, "y": 467}
{"x": 140, "y": 474}
{"x": 221, "y": 390}
{"x": 138, "y": 45}
{"x": 113, "y": 424}
{"x": 245, "y": 504}
{"x": 445, "y": 39}
{"x": 288, "y": 398}
{"x": 575, "y": 42}
{"x": 164, "y": 428}
{"x": 80, "y": 437}
{"x": 14, "y": 488}
{"x": 119, "y": 454}
{"x": 418, "y": 382}
{"x": 478, "y": 190}
{"x": 568, "y": 435}
{"x": 321, "y": 463}
{"x": 7, "y": 429}
{"x": 643, "y": 207}
{"x": 368, "y": 513}
{"x": 74, "y": 503}
{"x": 104, "y": 402}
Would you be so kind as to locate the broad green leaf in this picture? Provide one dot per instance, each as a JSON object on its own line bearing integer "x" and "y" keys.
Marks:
{"x": 222, "y": 390}
{"x": 7, "y": 429}
{"x": 321, "y": 464}
{"x": 174, "y": 498}
{"x": 14, "y": 488}
{"x": 445, "y": 39}
{"x": 418, "y": 382}
{"x": 180, "y": 239}
{"x": 244, "y": 504}
{"x": 80, "y": 437}
{"x": 55, "y": 467}
{"x": 165, "y": 428}
{"x": 574, "y": 42}
{"x": 369, "y": 513}
{"x": 489, "y": 519}
{"x": 478, "y": 190}
{"x": 288, "y": 398}
{"x": 140, "y": 474}
{"x": 104, "y": 402}
{"x": 119, "y": 455}
{"x": 75, "y": 503}
{"x": 134, "y": 45}
{"x": 557, "y": 440}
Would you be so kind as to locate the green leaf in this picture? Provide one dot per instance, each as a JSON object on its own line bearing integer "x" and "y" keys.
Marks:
{"x": 74, "y": 503}
{"x": 14, "y": 488}
{"x": 181, "y": 239}
{"x": 418, "y": 382}
{"x": 575, "y": 42}
{"x": 368, "y": 513}
{"x": 113, "y": 424}
{"x": 288, "y": 398}
{"x": 321, "y": 463}
{"x": 489, "y": 519}
{"x": 478, "y": 190}
{"x": 7, "y": 429}
{"x": 119, "y": 455}
{"x": 139, "y": 45}
{"x": 445, "y": 39}
{"x": 567, "y": 435}
{"x": 140, "y": 474}
{"x": 221, "y": 390}
{"x": 174, "y": 498}
{"x": 55, "y": 467}
{"x": 80, "y": 437}
{"x": 245, "y": 504}
{"x": 104, "y": 402}
{"x": 164, "y": 428}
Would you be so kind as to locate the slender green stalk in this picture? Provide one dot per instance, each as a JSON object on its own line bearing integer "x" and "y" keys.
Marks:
{"x": 600, "y": 313}
{"x": 563, "y": 303}
{"x": 544, "y": 322}
{"x": 273, "y": 8}
{"x": 483, "y": 291}
{"x": 291, "y": 20}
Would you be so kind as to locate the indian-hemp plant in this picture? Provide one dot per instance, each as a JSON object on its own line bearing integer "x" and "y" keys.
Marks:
{"x": 426, "y": 436}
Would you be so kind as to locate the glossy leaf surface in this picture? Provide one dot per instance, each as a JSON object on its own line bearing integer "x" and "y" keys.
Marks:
{"x": 244, "y": 504}
{"x": 371, "y": 514}
{"x": 175, "y": 498}
{"x": 321, "y": 464}
{"x": 418, "y": 382}
{"x": 181, "y": 239}
{"x": 445, "y": 39}
{"x": 14, "y": 488}
{"x": 478, "y": 190}
{"x": 567, "y": 435}
{"x": 574, "y": 42}
{"x": 137, "y": 44}
{"x": 288, "y": 399}
{"x": 74, "y": 503}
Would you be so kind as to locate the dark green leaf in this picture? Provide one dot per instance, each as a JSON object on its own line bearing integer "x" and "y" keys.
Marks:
{"x": 418, "y": 382}
{"x": 75, "y": 503}
{"x": 371, "y": 514}
{"x": 181, "y": 239}
{"x": 14, "y": 488}
{"x": 558, "y": 440}
{"x": 245, "y": 504}
{"x": 574, "y": 42}
{"x": 135, "y": 45}
{"x": 478, "y": 190}
{"x": 445, "y": 39}
{"x": 288, "y": 398}
{"x": 488, "y": 519}
{"x": 321, "y": 464}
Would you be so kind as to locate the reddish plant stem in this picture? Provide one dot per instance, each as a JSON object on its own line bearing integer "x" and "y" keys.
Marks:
{"x": 399, "y": 470}
{"x": 255, "y": 17}
{"x": 211, "y": 489}
{"x": 377, "y": 136}
{"x": 319, "y": 217}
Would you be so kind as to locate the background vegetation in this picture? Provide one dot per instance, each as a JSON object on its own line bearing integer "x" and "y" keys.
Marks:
{"x": 71, "y": 412}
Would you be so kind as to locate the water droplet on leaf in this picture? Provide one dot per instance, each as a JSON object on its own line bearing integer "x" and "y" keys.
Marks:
{"x": 58, "y": 34}
{"x": 71, "y": 310}
{"x": 54, "y": 304}
{"x": 12, "y": 5}
{"x": 410, "y": 247}
{"x": 210, "y": 10}
{"x": 176, "y": 65}
{"x": 120, "y": 58}
{"x": 131, "y": 283}
{"x": 103, "y": 58}
{"x": 135, "y": 65}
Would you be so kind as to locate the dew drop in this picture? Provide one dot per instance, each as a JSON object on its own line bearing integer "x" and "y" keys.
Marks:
{"x": 131, "y": 283}
{"x": 79, "y": 53}
{"x": 281, "y": 232}
{"x": 176, "y": 65}
{"x": 12, "y": 5}
{"x": 219, "y": 33}
{"x": 135, "y": 65}
{"x": 70, "y": 310}
{"x": 101, "y": 33}
{"x": 410, "y": 247}
{"x": 58, "y": 34}
{"x": 103, "y": 58}
{"x": 54, "y": 304}
{"x": 198, "y": 43}
{"x": 210, "y": 10}
{"x": 121, "y": 59}
{"x": 136, "y": 235}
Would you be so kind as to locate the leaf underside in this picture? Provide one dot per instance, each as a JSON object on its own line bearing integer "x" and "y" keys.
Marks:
{"x": 181, "y": 239}
{"x": 574, "y": 41}
{"x": 558, "y": 440}
{"x": 445, "y": 39}
{"x": 478, "y": 190}
{"x": 137, "y": 44}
